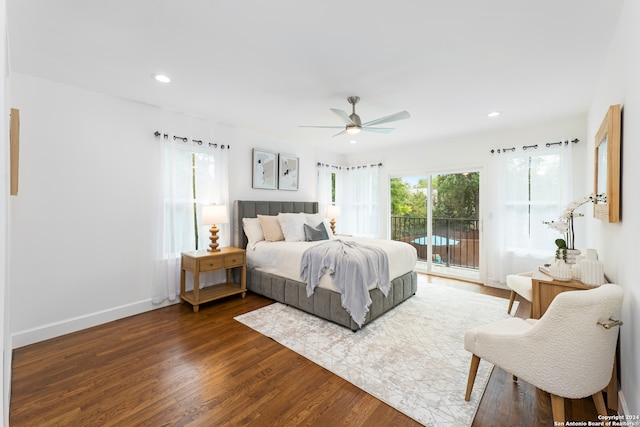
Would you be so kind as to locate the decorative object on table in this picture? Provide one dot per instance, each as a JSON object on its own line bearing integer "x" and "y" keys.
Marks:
{"x": 592, "y": 272}
{"x": 607, "y": 166}
{"x": 265, "y": 169}
{"x": 560, "y": 270}
{"x": 566, "y": 250}
{"x": 332, "y": 212}
{"x": 576, "y": 269}
{"x": 216, "y": 214}
{"x": 288, "y": 172}
{"x": 591, "y": 254}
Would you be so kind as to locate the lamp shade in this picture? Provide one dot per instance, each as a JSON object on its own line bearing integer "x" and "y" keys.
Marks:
{"x": 332, "y": 211}
{"x": 216, "y": 214}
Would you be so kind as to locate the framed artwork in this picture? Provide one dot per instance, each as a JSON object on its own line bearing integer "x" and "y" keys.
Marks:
{"x": 289, "y": 169}
{"x": 607, "y": 166}
{"x": 265, "y": 169}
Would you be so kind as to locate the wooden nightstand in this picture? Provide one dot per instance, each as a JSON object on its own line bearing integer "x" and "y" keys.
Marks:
{"x": 545, "y": 288}
{"x": 200, "y": 261}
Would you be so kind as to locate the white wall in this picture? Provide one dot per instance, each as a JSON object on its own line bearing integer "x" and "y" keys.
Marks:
{"x": 82, "y": 226}
{"x": 5, "y": 338}
{"x": 616, "y": 243}
{"x": 473, "y": 152}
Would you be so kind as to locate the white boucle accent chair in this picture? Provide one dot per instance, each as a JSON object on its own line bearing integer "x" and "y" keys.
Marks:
{"x": 569, "y": 352}
{"x": 520, "y": 284}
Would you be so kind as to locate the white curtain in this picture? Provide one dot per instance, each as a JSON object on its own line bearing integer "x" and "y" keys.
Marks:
{"x": 186, "y": 167}
{"x": 529, "y": 187}
{"x": 360, "y": 201}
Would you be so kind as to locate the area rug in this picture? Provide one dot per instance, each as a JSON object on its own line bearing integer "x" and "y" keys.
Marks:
{"x": 412, "y": 358}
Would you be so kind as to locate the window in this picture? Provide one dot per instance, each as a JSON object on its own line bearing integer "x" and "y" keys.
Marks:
{"x": 192, "y": 176}
{"x": 533, "y": 193}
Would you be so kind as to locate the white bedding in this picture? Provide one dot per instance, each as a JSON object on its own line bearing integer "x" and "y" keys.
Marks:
{"x": 283, "y": 258}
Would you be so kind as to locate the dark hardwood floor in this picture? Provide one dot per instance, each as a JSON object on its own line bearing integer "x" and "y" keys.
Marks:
{"x": 173, "y": 367}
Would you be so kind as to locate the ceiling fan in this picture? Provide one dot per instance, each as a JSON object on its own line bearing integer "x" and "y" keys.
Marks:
{"x": 354, "y": 125}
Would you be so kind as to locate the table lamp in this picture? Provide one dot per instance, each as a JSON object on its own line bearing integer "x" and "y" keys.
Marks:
{"x": 332, "y": 212}
{"x": 215, "y": 214}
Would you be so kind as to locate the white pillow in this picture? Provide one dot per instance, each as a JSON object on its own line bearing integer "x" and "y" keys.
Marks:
{"x": 292, "y": 225}
{"x": 253, "y": 230}
{"x": 271, "y": 228}
{"x": 315, "y": 219}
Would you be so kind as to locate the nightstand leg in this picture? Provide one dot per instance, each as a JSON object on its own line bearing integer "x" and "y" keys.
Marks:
{"x": 243, "y": 280}
{"x": 182, "y": 284}
{"x": 196, "y": 290}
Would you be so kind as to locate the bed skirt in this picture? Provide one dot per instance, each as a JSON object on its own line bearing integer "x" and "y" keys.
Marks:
{"x": 325, "y": 303}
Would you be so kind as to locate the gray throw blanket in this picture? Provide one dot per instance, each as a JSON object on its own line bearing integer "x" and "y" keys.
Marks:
{"x": 353, "y": 267}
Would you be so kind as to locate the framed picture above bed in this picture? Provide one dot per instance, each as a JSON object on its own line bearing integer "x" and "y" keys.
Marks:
{"x": 265, "y": 169}
{"x": 289, "y": 169}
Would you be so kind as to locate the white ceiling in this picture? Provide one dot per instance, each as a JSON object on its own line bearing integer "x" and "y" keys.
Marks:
{"x": 273, "y": 65}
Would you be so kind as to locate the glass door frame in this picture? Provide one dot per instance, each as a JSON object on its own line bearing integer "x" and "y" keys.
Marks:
{"x": 478, "y": 277}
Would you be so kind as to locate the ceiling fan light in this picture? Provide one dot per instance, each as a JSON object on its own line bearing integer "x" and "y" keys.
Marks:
{"x": 161, "y": 78}
{"x": 353, "y": 129}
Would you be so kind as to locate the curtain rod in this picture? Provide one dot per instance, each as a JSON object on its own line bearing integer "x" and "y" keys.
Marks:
{"x": 364, "y": 166}
{"x": 319, "y": 164}
{"x": 158, "y": 134}
{"x": 535, "y": 147}
{"x": 325, "y": 165}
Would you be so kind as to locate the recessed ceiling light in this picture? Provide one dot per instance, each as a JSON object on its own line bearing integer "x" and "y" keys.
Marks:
{"x": 161, "y": 78}
{"x": 493, "y": 114}
{"x": 353, "y": 141}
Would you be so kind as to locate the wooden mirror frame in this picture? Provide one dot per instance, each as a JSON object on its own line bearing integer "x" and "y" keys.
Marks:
{"x": 607, "y": 166}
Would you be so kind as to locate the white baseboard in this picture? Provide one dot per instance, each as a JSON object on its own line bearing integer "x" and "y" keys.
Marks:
{"x": 622, "y": 404}
{"x": 495, "y": 284}
{"x": 41, "y": 333}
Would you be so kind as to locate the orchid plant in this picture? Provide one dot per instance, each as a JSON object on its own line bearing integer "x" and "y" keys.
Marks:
{"x": 564, "y": 224}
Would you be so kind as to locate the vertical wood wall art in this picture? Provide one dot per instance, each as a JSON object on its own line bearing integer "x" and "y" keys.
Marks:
{"x": 14, "y": 149}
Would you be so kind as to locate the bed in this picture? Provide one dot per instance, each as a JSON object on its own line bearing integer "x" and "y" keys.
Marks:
{"x": 324, "y": 302}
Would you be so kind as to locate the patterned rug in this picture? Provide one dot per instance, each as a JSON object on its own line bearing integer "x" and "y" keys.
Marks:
{"x": 412, "y": 358}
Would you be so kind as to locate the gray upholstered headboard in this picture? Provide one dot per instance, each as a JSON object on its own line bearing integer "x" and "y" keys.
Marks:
{"x": 251, "y": 209}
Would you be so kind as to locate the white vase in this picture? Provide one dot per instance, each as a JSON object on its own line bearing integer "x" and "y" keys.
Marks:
{"x": 592, "y": 272}
{"x": 560, "y": 270}
{"x": 569, "y": 256}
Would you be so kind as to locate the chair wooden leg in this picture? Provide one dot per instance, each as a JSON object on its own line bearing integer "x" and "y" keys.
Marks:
{"x": 612, "y": 388}
{"x": 473, "y": 370}
{"x": 512, "y": 298}
{"x": 557, "y": 407}
{"x": 599, "y": 401}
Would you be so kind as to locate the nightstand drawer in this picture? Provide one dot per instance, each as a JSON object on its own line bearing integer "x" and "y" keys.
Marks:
{"x": 235, "y": 260}
{"x": 211, "y": 264}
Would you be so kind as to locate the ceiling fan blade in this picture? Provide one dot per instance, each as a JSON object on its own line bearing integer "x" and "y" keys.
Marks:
{"x": 323, "y": 127}
{"x": 343, "y": 115}
{"x": 341, "y": 133}
{"x": 378, "y": 130}
{"x": 392, "y": 118}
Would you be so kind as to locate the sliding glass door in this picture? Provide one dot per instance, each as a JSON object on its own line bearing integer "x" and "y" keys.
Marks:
{"x": 438, "y": 214}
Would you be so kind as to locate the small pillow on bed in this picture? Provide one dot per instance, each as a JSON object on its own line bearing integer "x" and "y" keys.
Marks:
{"x": 292, "y": 225}
{"x": 271, "y": 228}
{"x": 253, "y": 230}
{"x": 313, "y": 234}
{"x": 315, "y": 219}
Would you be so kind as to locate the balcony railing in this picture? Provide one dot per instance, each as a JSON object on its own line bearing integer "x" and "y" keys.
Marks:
{"x": 455, "y": 241}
